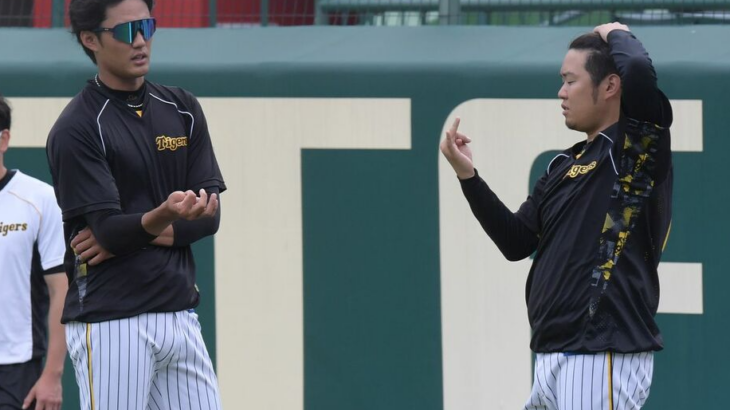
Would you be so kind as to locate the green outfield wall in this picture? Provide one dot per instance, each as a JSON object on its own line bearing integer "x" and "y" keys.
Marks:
{"x": 348, "y": 273}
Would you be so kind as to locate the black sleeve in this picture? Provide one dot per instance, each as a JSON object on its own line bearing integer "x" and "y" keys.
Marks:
{"x": 509, "y": 233}
{"x": 187, "y": 232}
{"x": 118, "y": 233}
{"x": 54, "y": 270}
{"x": 642, "y": 101}
{"x": 122, "y": 234}
{"x": 81, "y": 175}
{"x": 641, "y": 98}
{"x": 203, "y": 170}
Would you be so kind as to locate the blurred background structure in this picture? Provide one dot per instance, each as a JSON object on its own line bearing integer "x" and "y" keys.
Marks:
{"x": 348, "y": 273}
{"x": 245, "y": 13}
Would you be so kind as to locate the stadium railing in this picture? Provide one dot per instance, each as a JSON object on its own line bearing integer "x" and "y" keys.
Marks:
{"x": 542, "y": 12}
{"x": 243, "y": 13}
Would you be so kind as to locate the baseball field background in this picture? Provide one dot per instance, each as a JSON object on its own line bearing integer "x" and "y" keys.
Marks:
{"x": 348, "y": 272}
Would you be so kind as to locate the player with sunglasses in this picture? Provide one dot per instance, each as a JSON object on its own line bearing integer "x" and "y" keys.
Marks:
{"x": 137, "y": 181}
{"x": 126, "y": 32}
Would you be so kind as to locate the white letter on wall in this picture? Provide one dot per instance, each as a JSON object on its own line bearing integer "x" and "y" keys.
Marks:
{"x": 258, "y": 250}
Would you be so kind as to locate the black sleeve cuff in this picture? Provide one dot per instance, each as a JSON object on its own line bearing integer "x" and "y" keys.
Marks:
{"x": 619, "y": 33}
{"x": 188, "y": 232}
{"x": 118, "y": 233}
{"x": 54, "y": 270}
{"x": 470, "y": 182}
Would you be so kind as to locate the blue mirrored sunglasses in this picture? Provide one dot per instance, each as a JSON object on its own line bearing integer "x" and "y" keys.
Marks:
{"x": 126, "y": 32}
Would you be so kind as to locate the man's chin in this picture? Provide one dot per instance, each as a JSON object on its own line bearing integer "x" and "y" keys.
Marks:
{"x": 141, "y": 71}
{"x": 138, "y": 71}
{"x": 573, "y": 126}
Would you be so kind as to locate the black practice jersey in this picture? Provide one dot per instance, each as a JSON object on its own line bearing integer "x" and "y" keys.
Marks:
{"x": 597, "y": 222}
{"x": 105, "y": 155}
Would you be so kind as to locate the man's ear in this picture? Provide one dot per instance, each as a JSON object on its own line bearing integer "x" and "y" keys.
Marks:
{"x": 612, "y": 86}
{"x": 4, "y": 140}
{"x": 90, "y": 40}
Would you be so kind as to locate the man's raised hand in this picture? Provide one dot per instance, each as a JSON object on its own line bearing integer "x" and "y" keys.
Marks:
{"x": 457, "y": 152}
{"x": 604, "y": 29}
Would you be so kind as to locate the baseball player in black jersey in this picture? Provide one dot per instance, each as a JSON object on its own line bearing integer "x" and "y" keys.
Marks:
{"x": 137, "y": 181}
{"x": 597, "y": 222}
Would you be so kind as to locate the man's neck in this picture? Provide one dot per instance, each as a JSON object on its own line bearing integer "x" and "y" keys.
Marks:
{"x": 5, "y": 176}
{"x": 593, "y": 134}
{"x": 611, "y": 115}
{"x": 119, "y": 84}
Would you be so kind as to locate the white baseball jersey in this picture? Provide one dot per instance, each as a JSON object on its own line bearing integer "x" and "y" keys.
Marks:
{"x": 31, "y": 241}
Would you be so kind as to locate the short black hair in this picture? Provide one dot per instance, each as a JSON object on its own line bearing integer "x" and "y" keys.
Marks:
{"x": 87, "y": 15}
{"x": 599, "y": 62}
{"x": 4, "y": 114}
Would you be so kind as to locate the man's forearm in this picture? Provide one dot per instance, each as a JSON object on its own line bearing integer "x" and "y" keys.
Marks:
{"x": 118, "y": 233}
{"x": 641, "y": 98}
{"x": 56, "y": 354}
{"x": 189, "y": 232}
{"x": 166, "y": 238}
{"x": 506, "y": 230}
{"x": 157, "y": 220}
{"x": 121, "y": 234}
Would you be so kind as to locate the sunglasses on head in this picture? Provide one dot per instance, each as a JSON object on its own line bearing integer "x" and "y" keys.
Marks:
{"x": 126, "y": 32}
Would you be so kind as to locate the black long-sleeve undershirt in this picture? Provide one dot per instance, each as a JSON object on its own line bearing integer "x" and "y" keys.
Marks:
{"x": 641, "y": 98}
{"x": 118, "y": 233}
{"x": 188, "y": 232}
{"x": 508, "y": 232}
{"x": 122, "y": 234}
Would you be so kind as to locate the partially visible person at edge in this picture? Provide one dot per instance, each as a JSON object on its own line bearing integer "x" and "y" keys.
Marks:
{"x": 137, "y": 180}
{"x": 33, "y": 287}
{"x": 597, "y": 221}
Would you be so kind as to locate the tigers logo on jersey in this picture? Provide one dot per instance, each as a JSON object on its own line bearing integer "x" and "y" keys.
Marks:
{"x": 170, "y": 143}
{"x": 5, "y": 228}
{"x": 576, "y": 170}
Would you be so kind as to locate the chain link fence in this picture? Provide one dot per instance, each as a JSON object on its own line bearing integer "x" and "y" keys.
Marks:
{"x": 522, "y": 12}
{"x": 243, "y": 13}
